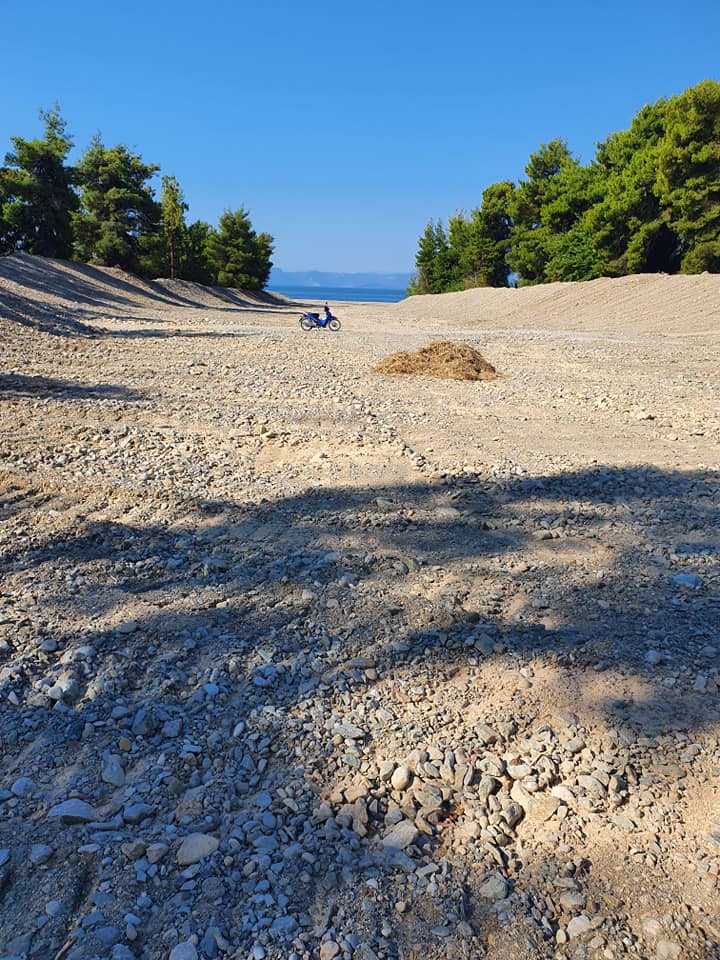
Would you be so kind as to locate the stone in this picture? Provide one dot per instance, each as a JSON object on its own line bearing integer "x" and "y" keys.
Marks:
{"x": 692, "y": 580}
{"x": 494, "y": 887}
{"x": 112, "y": 770}
{"x": 23, "y": 787}
{"x": 653, "y": 657}
{"x": 572, "y": 902}
{"x": 329, "y": 950}
{"x": 401, "y": 778}
{"x": 579, "y": 927}
{"x": 40, "y": 853}
{"x": 196, "y": 847}
{"x": 349, "y": 731}
{"x": 400, "y": 836}
{"x": 134, "y": 813}
{"x": 387, "y": 768}
{"x": 155, "y": 852}
{"x": 538, "y": 807}
{"x": 73, "y": 811}
{"x": 667, "y": 950}
{"x": 184, "y": 951}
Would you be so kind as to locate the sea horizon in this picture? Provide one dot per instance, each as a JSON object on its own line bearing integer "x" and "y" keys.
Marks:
{"x": 320, "y": 294}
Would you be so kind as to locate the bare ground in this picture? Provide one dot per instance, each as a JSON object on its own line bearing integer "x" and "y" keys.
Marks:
{"x": 247, "y": 582}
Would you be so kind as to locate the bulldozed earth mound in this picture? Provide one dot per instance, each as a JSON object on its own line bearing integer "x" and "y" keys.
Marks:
{"x": 444, "y": 360}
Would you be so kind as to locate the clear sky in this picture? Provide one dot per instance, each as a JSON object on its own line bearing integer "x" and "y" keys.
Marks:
{"x": 343, "y": 127}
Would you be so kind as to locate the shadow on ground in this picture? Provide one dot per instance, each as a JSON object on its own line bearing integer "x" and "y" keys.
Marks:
{"x": 254, "y": 630}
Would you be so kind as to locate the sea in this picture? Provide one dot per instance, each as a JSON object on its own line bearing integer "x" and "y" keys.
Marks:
{"x": 321, "y": 295}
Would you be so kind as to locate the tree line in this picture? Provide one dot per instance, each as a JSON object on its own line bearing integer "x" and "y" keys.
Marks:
{"x": 103, "y": 210}
{"x": 649, "y": 202}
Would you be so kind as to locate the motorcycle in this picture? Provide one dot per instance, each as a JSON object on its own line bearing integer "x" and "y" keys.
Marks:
{"x": 310, "y": 321}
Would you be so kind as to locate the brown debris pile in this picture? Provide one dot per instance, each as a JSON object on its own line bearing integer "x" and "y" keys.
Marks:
{"x": 444, "y": 360}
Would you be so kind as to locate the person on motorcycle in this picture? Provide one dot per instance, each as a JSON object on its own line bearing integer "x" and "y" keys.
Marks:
{"x": 328, "y": 316}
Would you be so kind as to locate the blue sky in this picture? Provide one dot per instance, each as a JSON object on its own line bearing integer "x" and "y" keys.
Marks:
{"x": 344, "y": 127}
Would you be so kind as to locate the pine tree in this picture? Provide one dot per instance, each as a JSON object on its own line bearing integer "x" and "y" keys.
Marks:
{"x": 196, "y": 264}
{"x": 688, "y": 181}
{"x": 118, "y": 223}
{"x": 39, "y": 195}
{"x": 239, "y": 256}
{"x": 173, "y": 207}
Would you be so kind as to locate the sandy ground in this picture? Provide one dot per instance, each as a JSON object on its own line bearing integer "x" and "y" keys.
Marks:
{"x": 214, "y": 520}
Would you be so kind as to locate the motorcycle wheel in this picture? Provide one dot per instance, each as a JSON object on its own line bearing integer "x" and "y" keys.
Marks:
{"x": 334, "y": 324}
{"x": 306, "y": 324}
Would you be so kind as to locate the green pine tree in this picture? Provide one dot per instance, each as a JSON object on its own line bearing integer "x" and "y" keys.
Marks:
{"x": 118, "y": 223}
{"x": 239, "y": 257}
{"x": 38, "y": 186}
{"x": 174, "y": 231}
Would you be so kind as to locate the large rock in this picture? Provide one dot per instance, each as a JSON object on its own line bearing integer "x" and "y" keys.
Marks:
{"x": 196, "y": 847}
{"x": 73, "y": 811}
{"x": 494, "y": 888}
{"x": 400, "y": 836}
{"x": 184, "y": 951}
{"x": 537, "y": 806}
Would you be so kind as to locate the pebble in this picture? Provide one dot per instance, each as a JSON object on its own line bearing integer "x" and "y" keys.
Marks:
{"x": 184, "y": 951}
{"x": 40, "y": 853}
{"x": 401, "y": 778}
{"x": 196, "y": 847}
{"x": 579, "y": 927}
{"x": 494, "y": 887}
{"x": 23, "y": 787}
{"x": 401, "y": 836}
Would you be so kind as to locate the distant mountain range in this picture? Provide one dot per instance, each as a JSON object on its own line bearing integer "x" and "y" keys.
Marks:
{"x": 337, "y": 281}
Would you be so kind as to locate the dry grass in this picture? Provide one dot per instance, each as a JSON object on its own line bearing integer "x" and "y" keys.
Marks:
{"x": 444, "y": 360}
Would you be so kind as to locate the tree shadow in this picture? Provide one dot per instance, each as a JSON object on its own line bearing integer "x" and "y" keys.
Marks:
{"x": 44, "y": 317}
{"x": 240, "y": 642}
{"x": 19, "y": 385}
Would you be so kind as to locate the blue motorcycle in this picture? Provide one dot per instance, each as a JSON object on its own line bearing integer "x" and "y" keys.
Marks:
{"x": 310, "y": 321}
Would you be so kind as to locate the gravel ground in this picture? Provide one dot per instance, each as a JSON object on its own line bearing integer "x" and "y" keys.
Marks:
{"x": 298, "y": 661}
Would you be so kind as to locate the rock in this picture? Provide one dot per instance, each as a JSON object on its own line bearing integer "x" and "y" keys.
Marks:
{"x": 387, "y": 767}
{"x": 134, "y": 813}
{"x": 400, "y": 836}
{"x": 579, "y": 927}
{"x": 40, "y": 853}
{"x": 112, "y": 770}
{"x": 23, "y": 787}
{"x": 73, "y": 811}
{"x": 651, "y": 928}
{"x": 401, "y": 778}
{"x": 349, "y": 731}
{"x": 572, "y": 902}
{"x": 653, "y": 657}
{"x": 155, "y": 852}
{"x": 495, "y": 887}
{"x": 667, "y": 950}
{"x": 121, "y": 952}
{"x": 470, "y": 830}
{"x": 184, "y": 951}
{"x": 687, "y": 580}
{"x": 539, "y": 807}
{"x": 195, "y": 847}
{"x": 329, "y": 950}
